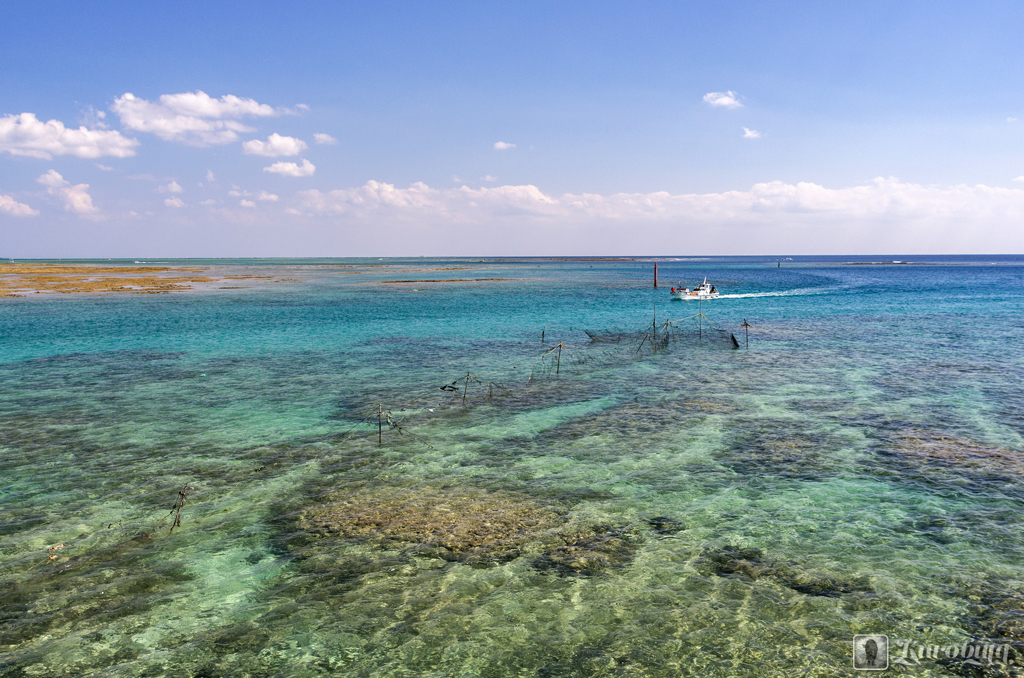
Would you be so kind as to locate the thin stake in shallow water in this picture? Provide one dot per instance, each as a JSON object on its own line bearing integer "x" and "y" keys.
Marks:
{"x": 466, "y": 390}
{"x": 380, "y": 426}
{"x": 182, "y": 494}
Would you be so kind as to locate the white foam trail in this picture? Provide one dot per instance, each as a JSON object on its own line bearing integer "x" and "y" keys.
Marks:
{"x": 754, "y": 295}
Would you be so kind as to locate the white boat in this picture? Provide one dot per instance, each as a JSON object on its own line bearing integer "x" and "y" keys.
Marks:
{"x": 703, "y": 291}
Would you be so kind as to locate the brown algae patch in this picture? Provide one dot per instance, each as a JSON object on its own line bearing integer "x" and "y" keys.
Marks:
{"x": 783, "y": 450}
{"x": 962, "y": 454}
{"x": 591, "y": 551}
{"x": 750, "y": 563}
{"x": 994, "y": 611}
{"x": 459, "y": 524}
{"x": 19, "y": 279}
{"x": 23, "y": 279}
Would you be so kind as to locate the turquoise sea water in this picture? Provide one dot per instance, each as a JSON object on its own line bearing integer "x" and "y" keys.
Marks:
{"x": 634, "y": 507}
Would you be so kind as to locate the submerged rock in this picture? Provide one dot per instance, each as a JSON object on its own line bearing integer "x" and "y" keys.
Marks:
{"x": 589, "y": 552}
{"x": 751, "y": 563}
{"x": 959, "y": 453}
{"x": 456, "y": 524}
{"x": 781, "y": 449}
{"x": 666, "y": 525}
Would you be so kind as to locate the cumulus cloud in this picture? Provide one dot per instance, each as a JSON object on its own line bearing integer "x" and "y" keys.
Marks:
{"x": 76, "y": 197}
{"x": 172, "y": 187}
{"x": 324, "y": 139}
{"x": 193, "y": 118}
{"x": 9, "y": 205}
{"x": 488, "y": 177}
{"x": 420, "y": 199}
{"x": 209, "y": 176}
{"x": 290, "y": 169}
{"x": 264, "y": 195}
{"x": 503, "y": 145}
{"x": 174, "y": 201}
{"x": 724, "y": 99}
{"x": 883, "y": 215}
{"x": 1020, "y": 178}
{"x": 275, "y": 145}
{"x": 104, "y": 167}
{"x": 28, "y": 136}
{"x": 247, "y": 203}
{"x": 371, "y": 197}
{"x": 751, "y": 134}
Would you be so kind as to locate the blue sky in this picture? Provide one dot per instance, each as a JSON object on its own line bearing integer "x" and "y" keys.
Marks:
{"x": 489, "y": 129}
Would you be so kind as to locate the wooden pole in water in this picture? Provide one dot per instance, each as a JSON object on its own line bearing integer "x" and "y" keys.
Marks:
{"x": 655, "y": 275}
{"x": 655, "y": 322}
{"x": 700, "y": 318}
{"x": 380, "y": 425}
{"x": 746, "y": 331}
{"x": 558, "y": 363}
{"x": 542, "y": 336}
{"x": 465, "y": 390}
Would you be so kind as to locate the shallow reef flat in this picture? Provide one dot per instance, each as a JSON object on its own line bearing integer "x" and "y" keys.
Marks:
{"x": 334, "y": 477}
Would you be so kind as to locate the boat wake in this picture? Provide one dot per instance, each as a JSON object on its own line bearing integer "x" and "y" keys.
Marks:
{"x": 783, "y": 293}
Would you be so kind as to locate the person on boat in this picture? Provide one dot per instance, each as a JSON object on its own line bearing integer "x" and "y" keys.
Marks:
{"x": 713, "y": 290}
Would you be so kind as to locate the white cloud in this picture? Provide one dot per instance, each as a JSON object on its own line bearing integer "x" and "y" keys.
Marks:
{"x": 174, "y": 201}
{"x": 503, "y": 145}
{"x": 882, "y": 215}
{"x": 90, "y": 117}
{"x": 209, "y": 201}
{"x": 751, "y": 134}
{"x": 325, "y": 139}
{"x": 724, "y": 99}
{"x": 9, "y": 205}
{"x": 419, "y": 200}
{"x": 264, "y": 195}
{"x": 247, "y": 203}
{"x": 275, "y": 145}
{"x": 172, "y": 187}
{"x": 1011, "y": 120}
{"x": 290, "y": 169}
{"x": 488, "y": 178}
{"x": 104, "y": 167}
{"x": 190, "y": 117}
{"x": 76, "y": 198}
{"x": 370, "y": 197}
{"x": 1020, "y": 178}
{"x": 209, "y": 176}
{"x": 27, "y": 135}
